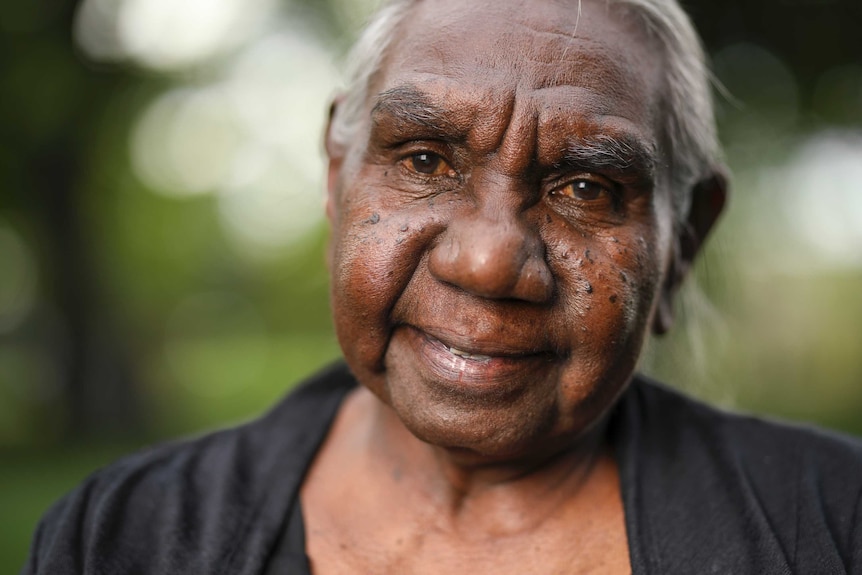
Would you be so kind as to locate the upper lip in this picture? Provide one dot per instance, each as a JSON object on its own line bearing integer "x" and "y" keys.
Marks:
{"x": 479, "y": 345}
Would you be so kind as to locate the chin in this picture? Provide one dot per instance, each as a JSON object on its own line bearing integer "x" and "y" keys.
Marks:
{"x": 478, "y": 431}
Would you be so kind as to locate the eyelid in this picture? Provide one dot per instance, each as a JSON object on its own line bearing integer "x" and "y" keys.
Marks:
{"x": 415, "y": 146}
{"x": 561, "y": 182}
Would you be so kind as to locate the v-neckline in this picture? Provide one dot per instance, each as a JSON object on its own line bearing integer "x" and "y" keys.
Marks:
{"x": 288, "y": 552}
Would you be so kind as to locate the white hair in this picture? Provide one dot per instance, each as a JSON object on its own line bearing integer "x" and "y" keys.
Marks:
{"x": 689, "y": 136}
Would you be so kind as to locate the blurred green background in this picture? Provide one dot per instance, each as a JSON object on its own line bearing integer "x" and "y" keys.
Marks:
{"x": 162, "y": 237}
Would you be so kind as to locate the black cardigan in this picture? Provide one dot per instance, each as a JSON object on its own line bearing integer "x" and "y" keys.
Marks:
{"x": 704, "y": 491}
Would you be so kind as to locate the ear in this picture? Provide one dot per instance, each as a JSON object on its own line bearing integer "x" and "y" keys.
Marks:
{"x": 708, "y": 198}
{"x": 335, "y": 152}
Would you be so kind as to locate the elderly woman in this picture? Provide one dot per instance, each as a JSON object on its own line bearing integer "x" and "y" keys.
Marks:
{"x": 516, "y": 189}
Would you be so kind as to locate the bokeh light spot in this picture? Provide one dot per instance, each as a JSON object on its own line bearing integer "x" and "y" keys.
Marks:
{"x": 184, "y": 143}
{"x": 165, "y": 35}
{"x": 824, "y": 181}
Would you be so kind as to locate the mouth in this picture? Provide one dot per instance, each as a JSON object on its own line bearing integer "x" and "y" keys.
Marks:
{"x": 472, "y": 365}
{"x": 473, "y": 349}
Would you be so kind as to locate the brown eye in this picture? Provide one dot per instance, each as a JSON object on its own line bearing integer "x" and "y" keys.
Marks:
{"x": 428, "y": 164}
{"x": 586, "y": 190}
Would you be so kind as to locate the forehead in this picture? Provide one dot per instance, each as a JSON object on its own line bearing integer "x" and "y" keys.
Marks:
{"x": 484, "y": 56}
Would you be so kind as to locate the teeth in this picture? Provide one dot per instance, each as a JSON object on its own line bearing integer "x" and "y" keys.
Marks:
{"x": 466, "y": 355}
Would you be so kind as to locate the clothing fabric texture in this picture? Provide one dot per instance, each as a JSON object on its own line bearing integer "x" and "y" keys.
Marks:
{"x": 703, "y": 491}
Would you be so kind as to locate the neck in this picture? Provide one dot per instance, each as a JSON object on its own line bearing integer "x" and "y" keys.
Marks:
{"x": 516, "y": 492}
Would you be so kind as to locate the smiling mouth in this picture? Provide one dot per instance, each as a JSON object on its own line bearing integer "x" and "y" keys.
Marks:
{"x": 475, "y": 349}
{"x": 459, "y": 362}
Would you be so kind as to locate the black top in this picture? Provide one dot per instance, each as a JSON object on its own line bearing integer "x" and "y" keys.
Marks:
{"x": 703, "y": 492}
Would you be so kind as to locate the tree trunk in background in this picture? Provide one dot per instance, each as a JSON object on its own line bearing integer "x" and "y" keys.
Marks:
{"x": 49, "y": 110}
{"x": 100, "y": 392}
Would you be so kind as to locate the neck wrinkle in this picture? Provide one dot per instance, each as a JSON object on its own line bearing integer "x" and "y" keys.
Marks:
{"x": 508, "y": 497}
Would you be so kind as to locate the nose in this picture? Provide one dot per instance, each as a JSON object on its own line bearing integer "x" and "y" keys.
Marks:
{"x": 493, "y": 254}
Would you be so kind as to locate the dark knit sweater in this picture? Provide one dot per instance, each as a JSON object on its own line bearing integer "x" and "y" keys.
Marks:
{"x": 704, "y": 491}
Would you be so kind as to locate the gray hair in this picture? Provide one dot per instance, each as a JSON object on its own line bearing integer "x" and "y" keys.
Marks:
{"x": 689, "y": 139}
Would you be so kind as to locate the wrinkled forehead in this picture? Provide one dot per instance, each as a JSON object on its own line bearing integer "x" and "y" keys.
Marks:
{"x": 508, "y": 46}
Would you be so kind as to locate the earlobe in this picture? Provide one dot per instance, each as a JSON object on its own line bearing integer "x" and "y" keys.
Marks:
{"x": 708, "y": 198}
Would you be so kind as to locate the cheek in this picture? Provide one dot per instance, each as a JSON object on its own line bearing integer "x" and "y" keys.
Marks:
{"x": 609, "y": 285}
{"x": 634, "y": 277}
{"x": 377, "y": 248}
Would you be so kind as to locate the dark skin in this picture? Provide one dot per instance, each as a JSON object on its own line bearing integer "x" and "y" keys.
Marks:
{"x": 503, "y": 238}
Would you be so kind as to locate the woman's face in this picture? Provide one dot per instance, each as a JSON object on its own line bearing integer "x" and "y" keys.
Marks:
{"x": 501, "y": 229}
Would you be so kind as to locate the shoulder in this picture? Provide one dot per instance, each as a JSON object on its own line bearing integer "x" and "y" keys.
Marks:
{"x": 752, "y": 439}
{"x": 185, "y": 507}
{"x": 772, "y": 493}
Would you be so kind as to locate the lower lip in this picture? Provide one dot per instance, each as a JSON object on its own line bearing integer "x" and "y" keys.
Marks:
{"x": 492, "y": 375}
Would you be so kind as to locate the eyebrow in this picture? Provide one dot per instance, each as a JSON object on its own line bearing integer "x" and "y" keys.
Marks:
{"x": 623, "y": 154}
{"x": 407, "y": 106}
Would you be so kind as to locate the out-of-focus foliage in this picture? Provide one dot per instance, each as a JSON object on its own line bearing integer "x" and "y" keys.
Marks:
{"x": 773, "y": 322}
{"x": 162, "y": 240}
